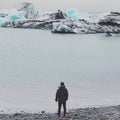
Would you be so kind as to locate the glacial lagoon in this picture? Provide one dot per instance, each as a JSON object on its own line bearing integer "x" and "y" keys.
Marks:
{"x": 34, "y": 62}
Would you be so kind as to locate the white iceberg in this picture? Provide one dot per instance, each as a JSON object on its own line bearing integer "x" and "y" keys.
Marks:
{"x": 29, "y": 9}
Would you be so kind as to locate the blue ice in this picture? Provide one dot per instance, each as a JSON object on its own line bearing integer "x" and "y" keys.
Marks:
{"x": 75, "y": 14}
{"x": 15, "y": 17}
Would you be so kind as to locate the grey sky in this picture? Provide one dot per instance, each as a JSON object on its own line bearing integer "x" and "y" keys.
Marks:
{"x": 82, "y": 5}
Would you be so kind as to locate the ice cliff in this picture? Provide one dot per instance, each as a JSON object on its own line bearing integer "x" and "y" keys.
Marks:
{"x": 72, "y": 21}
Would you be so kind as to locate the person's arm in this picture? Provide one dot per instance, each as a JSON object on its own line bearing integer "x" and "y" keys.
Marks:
{"x": 56, "y": 97}
{"x": 67, "y": 94}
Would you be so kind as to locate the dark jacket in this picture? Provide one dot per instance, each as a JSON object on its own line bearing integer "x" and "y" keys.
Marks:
{"x": 62, "y": 94}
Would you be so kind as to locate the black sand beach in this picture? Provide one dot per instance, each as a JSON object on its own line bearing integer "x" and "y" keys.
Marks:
{"x": 101, "y": 113}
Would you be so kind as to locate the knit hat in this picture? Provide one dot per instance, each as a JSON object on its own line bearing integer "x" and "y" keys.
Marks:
{"x": 62, "y": 83}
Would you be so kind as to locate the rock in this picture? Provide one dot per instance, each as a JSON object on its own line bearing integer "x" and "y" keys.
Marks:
{"x": 101, "y": 113}
{"x": 108, "y": 34}
{"x": 58, "y": 15}
{"x": 43, "y": 112}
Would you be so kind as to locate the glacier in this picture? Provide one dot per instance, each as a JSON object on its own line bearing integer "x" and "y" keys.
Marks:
{"x": 25, "y": 15}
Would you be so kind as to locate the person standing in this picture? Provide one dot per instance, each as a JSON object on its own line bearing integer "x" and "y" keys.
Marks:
{"x": 61, "y": 98}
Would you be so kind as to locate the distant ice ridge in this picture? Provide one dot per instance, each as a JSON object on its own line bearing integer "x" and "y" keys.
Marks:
{"x": 73, "y": 21}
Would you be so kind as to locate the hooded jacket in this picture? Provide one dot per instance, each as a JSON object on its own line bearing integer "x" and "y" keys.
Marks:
{"x": 62, "y": 94}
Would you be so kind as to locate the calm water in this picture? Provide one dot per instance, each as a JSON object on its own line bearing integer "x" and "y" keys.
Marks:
{"x": 34, "y": 62}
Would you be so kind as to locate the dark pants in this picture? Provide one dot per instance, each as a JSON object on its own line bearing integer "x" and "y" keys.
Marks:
{"x": 59, "y": 107}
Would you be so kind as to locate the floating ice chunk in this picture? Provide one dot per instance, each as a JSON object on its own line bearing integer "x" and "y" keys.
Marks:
{"x": 85, "y": 16}
{"x": 1, "y": 22}
{"x": 29, "y": 9}
{"x": 2, "y": 18}
{"x": 75, "y": 14}
{"x": 100, "y": 16}
{"x": 11, "y": 15}
{"x": 15, "y": 17}
{"x": 2, "y": 15}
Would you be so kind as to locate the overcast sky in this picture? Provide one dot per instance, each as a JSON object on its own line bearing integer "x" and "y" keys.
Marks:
{"x": 82, "y": 5}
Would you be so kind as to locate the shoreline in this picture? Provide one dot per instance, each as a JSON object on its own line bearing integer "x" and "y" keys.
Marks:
{"x": 89, "y": 113}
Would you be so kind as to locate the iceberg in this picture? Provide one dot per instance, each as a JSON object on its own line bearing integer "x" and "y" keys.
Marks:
{"x": 15, "y": 17}
{"x": 73, "y": 21}
{"x": 22, "y": 12}
{"x": 75, "y": 14}
{"x": 11, "y": 15}
{"x": 1, "y": 22}
{"x": 3, "y": 18}
{"x": 28, "y": 9}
